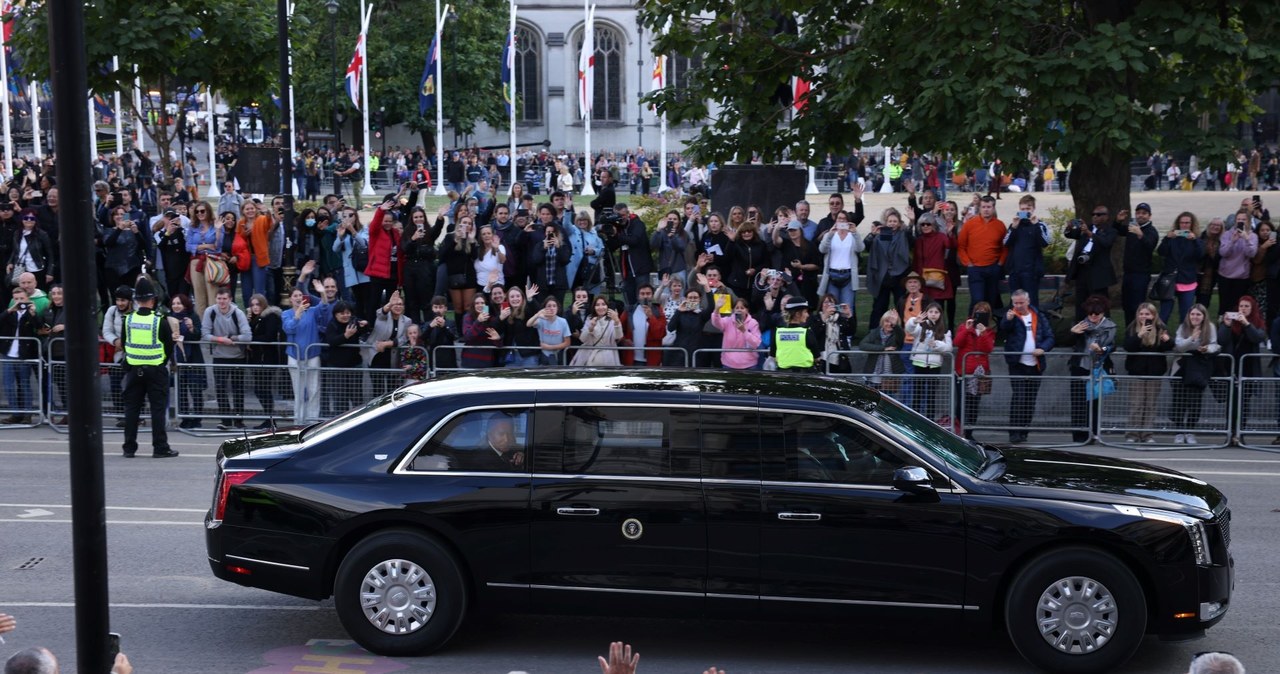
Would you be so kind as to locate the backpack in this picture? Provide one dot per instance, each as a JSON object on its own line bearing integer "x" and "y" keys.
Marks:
{"x": 359, "y": 254}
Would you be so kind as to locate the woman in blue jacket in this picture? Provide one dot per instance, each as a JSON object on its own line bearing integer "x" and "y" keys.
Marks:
{"x": 1182, "y": 250}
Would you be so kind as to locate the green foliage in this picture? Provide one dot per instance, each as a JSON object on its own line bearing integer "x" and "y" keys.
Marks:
{"x": 1055, "y": 254}
{"x": 1086, "y": 78}
{"x": 400, "y": 34}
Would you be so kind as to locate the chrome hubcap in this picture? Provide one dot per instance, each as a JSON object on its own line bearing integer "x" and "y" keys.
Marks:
{"x": 1077, "y": 615}
{"x": 398, "y": 596}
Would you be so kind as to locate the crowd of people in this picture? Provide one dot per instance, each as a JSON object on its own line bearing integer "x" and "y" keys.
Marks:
{"x": 511, "y": 279}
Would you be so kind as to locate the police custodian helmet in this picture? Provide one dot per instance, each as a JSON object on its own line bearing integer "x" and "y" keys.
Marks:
{"x": 143, "y": 290}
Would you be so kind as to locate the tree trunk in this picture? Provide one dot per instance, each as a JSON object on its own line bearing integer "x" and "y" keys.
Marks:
{"x": 1103, "y": 180}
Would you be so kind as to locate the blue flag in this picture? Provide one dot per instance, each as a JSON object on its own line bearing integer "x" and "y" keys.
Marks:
{"x": 427, "y": 88}
{"x": 508, "y": 65}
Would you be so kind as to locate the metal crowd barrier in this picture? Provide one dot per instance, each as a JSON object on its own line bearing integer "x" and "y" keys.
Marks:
{"x": 932, "y": 395}
{"x": 1163, "y": 407}
{"x": 1257, "y": 416}
{"x": 23, "y": 399}
{"x": 110, "y": 383}
{"x": 573, "y": 351}
{"x": 342, "y": 388}
{"x": 232, "y": 393}
{"x": 1058, "y": 402}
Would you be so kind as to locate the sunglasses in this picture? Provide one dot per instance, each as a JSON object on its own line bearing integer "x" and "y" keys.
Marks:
{"x": 1099, "y": 215}
{"x": 28, "y": 217}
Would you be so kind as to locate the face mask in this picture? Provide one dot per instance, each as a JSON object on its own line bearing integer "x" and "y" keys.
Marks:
{"x": 311, "y": 222}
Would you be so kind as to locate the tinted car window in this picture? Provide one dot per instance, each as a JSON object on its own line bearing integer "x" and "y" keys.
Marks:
{"x": 644, "y": 442}
{"x": 481, "y": 441}
{"x": 827, "y": 449}
{"x": 730, "y": 444}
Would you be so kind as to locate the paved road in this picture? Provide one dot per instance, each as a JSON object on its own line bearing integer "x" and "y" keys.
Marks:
{"x": 177, "y": 619}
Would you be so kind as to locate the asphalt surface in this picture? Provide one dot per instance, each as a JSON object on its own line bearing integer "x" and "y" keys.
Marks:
{"x": 176, "y": 618}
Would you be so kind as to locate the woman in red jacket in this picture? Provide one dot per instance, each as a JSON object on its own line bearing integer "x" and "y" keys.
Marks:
{"x": 974, "y": 339}
{"x": 384, "y": 266}
{"x": 932, "y": 246}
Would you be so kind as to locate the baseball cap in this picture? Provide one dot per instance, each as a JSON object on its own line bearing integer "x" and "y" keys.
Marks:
{"x": 794, "y": 224}
{"x": 1144, "y": 206}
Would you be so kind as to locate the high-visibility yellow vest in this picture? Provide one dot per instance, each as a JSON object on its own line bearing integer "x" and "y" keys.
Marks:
{"x": 895, "y": 171}
{"x": 792, "y": 349}
{"x": 142, "y": 344}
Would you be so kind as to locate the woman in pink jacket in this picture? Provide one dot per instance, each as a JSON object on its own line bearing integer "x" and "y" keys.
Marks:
{"x": 741, "y": 331}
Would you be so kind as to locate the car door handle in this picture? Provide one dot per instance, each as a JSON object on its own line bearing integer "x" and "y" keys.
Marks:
{"x": 804, "y": 517}
{"x": 578, "y": 512}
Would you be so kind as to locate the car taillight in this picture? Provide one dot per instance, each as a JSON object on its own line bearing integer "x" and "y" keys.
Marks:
{"x": 229, "y": 479}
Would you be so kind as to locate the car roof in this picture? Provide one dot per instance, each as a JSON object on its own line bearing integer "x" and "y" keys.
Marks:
{"x": 814, "y": 387}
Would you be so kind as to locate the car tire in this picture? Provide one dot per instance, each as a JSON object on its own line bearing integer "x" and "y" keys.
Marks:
{"x": 1076, "y": 610}
{"x": 400, "y": 593}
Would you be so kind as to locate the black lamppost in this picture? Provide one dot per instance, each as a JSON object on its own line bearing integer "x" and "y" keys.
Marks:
{"x": 639, "y": 81}
{"x": 332, "y": 6}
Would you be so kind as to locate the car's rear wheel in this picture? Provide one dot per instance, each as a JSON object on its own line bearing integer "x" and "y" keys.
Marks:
{"x": 1076, "y": 610}
{"x": 400, "y": 593}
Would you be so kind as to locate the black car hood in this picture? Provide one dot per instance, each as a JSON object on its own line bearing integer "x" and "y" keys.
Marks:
{"x": 1071, "y": 476}
{"x": 277, "y": 445}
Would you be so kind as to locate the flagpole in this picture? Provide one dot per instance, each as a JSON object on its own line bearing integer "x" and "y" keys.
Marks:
{"x": 662, "y": 124}
{"x": 589, "y": 73}
{"x": 364, "y": 93}
{"x": 293, "y": 126}
{"x": 886, "y": 187}
{"x": 93, "y": 128}
{"x": 115, "y": 66}
{"x": 439, "y": 88}
{"x": 140, "y": 143}
{"x": 215, "y": 189}
{"x": 511, "y": 69}
{"x": 34, "y": 96}
{"x": 4, "y": 106}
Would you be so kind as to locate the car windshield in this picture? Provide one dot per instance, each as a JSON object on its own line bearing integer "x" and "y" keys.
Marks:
{"x": 357, "y": 415}
{"x": 956, "y": 451}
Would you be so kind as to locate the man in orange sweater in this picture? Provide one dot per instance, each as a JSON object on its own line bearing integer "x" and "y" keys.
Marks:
{"x": 981, "y": 250}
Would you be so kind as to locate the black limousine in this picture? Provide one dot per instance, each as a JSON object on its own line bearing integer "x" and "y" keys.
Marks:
{"x": 716, "y": 493}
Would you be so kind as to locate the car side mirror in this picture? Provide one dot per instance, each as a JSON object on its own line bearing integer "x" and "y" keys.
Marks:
{"x": 913, "y": 480}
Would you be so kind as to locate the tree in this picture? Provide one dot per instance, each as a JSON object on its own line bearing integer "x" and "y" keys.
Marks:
{"x": 228, "y": 45}
{"x": 397, "y": 52}
{"x": 1094, "y": 82}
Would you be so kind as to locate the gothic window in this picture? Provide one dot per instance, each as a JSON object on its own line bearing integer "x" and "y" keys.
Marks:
{"x": 681, "y": 71}
{"x": 607, "y": 102}
{"x": 528, "y": 74}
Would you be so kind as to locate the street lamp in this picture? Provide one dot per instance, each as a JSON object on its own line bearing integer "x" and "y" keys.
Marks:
{"x": 332, "y": 7}
{"x": 440, "y": 19}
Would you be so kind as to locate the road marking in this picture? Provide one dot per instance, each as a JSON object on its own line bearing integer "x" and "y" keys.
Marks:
{"x": 1227, "y": 472}
{"x": 108, "y": 522}
{"x": 227, "y": 607}
{"x": 34, "y": 452}
{"x": 39, "y": 441}
{"x": 35, "y": 512}
{"x": 143, "y": 509}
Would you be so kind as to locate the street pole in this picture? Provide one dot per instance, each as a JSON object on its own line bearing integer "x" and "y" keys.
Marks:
{"x": 4, "y": 106}
{"x": 439, "y": 190}
{"x": 332, "y": 7}
{"x": 511, "y": 113}
{"x": 287, "y": 151}
{"x": 367, "y": 190}
{"x": 33, "y": 95}
{"x": 141, "y": 131}
{"x": 588, "y": 59}
{"x": 115, "y": 66}
{"x": 215, "y": 189}
{"x": 292, "y": 116}
{"x": 84, "y": 405}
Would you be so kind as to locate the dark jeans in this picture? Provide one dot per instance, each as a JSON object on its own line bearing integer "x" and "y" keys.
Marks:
{"x": 1133, "y": 291}
{"x": 1184, "y": 299}
{"x": 228, "y": 382}
{"x": 1025, "y": 383}
{"x": 890, "y": 287}
{"x": 419, "y": 284}
{"x": 149, "y": 382}
{"x": 1028, "y": 281}
{"x": 984, "y": 286}
{"x": 1184, "y": 414}
{"x": 1230, "y": 290}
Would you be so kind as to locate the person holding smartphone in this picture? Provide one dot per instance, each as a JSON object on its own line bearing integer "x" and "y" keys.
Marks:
{"x": 600, "y": 336}
{"x": 974, "y": 341}
{"x": 1238, "y": 246}
{"x": 1146, "y": 341}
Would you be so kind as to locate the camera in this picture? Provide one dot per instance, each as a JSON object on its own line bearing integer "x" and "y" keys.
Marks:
{"x": 608, "y": 222}
{"x": 1082, "y": 258}
{"x": 171, "y": 213}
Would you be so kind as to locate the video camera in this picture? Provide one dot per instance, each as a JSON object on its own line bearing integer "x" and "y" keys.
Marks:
{"x": 608, "y": 223}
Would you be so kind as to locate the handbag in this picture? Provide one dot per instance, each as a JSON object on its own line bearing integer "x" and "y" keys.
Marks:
{"x": 1195, "y": 370}
{"x": 839, "y": 277}
{"x": 216, "y": 271}
{"x": 1100, "y": 385}
{"x": 935, "y": 278}
{"x": 1162, "y": 289}
{"x": 979, "y": 383}
{"x": 457, "y": 281}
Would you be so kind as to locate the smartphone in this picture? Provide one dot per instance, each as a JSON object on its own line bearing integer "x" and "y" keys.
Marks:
{"x": 842, "y": 226}
{"x": 1023, "y": 215}
{"x": 982, "y": 318}
{"x": 485, "y": 310}
{"x": 1232, "y": 315}
{"x": 113, "y": 649}
{"x": 653, "y": 279}
{"x": 843, "y": 307}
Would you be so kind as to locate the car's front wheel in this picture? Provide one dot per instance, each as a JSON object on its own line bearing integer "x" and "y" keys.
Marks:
{"x": 400, "y": 593}
{"x": 1076, "y": 610}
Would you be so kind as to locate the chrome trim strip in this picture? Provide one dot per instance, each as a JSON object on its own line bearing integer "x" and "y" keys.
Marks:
{"x": 731, "y": 482}
{"x": 713, "y": 595}
{"x": 828, "y": 485}
{"x": 616, "y": 478}
{"x": 866, "y": 602}
{"x": 263, "y": 561}
{"x": 516, "y": 586}
{"x": 619, "y": 590}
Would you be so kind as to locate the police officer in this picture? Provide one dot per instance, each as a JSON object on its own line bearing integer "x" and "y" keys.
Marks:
{"x": 148, "y": 344}
{"x": 794, "y": 344}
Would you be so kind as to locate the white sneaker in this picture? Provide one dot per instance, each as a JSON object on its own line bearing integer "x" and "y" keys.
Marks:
{"x": 1149, "y": 441}
{"x": 1191, "y": 439}
{"x": 1179, "y": 439}
{"x": 1131, "y": 440}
